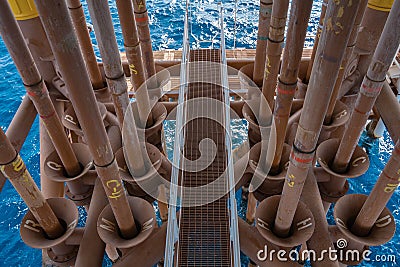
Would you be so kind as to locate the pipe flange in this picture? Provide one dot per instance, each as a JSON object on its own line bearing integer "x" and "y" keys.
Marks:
{"x": 103, "y": 95}
{"x": 359, "y": 164}
{"x": 301, "y": 230}
{"x": 163, "y": 79}
{"x": 345, "y": 213}
{"x": 145, "y": 219}
{"x": 67, "y": 259}
{"x": 70, "y": 120}
{"x": 33, "y": 235}
{"x": 54, "y": 170}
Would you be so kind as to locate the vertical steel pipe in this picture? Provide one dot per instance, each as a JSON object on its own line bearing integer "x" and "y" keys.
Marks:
{"x": 335, "y": 35}
{"x": 19, "y": 128}
{"x": 79, "y": 21}
{"x": 316, "y": 41}
{"x": 371, "y": 28}
{"x": 369, "y": 91}
{"x": 12, "y": 167}
{"x": 389, "y": 109}
{"x": 142, "y": 20}
{"x": 91, "y": 243}
{"x": 64, "y": 43}
{"x": 36, "y": 88}
{"x": 287, "y": 81}
{"x": 264, "y": 17}
{"x": 345, "y": 61}
{"x": 276, "y": 36}
{"x": 103, "y": 27}
{"x": 134, "y": 57}
{"x": 383, "y": 190}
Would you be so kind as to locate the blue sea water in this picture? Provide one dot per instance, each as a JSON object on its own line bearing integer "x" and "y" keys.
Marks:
{"x": 166, "y": 26}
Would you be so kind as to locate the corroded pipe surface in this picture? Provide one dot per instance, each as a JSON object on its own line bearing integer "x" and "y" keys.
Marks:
{"x": 345, "y": 61}
{"x": 79, "y": 21}
{"x": 264, "y": 18}
{"x": 36, "y": 88}
{"x": 91, "y": 243}
{"x": 276, "y": 36}
{"x": 320, "y": 240}
{"x": 134, "y": 57}
{"x": 389, "y": 109}
{"x": 142, "y": 20}
{"x": 383, "y": 190}
{"x": 12, "y": 166}
{"x": 287, "y": 82}
{"x": 316, "y": 41}
{"x": 102, "y": 22}
{"x": 328, "y": 58}
{"x": 370, "y": 89}
{"x": 66, "y": 49}
{"x": 371, "y": 28}
{"x": 19, "y": 128}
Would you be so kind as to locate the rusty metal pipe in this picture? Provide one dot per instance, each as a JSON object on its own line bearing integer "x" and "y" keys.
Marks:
{"x": 316, "y": 41}
{"x": 91, "y": 243}
{"x": 13, "y": 167}
{"x": 345, "y": 61}
{"x": 264, "y": 17}
{"x": 326, "y": 67}
{"x": 134, "y": 57}
{"x": 19, "y": 128}
{"x": 65, "y": 46}
{"x": 369, "y": 91}
{"x": 102, "y": 22}
{"x": 276, "y": 36}
{"x": 79, "y": 21}
{"x": 36, "y": 88}
{"x": 287, "y": 82}
{"x": 371, "y": 28}
{"x": 381, "y": 193}
{"x": 389, "y": 109}
{"x": 142, "y": 21}
{"x": 320, "y": 240}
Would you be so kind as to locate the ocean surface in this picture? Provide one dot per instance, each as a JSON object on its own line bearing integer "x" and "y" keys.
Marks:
{"x": 166, "y": 26}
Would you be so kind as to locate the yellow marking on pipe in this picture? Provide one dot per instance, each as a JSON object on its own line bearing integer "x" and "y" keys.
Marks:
{"x": 23, "y": 9}
{"x": 340, "y": 12}
{"x": 132, "y": 68}
{"x": 18, "y": 164}
{"x": 390, "y": 188}
{"x": 380, "y": 5}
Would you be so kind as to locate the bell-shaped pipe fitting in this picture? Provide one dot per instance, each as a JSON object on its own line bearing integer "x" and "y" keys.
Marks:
{"x": 153, "y": 133}
{"x": 348, "y": 252}
{"x": 163, "y": 82}
{"x": 245, "y": 75}
{"x": 145, "y": 219}
{"x": 58, "y": 250}
{"x": 273, "y": 184}
{"x": 254, "y": 132}
{"x": 346, "y": 210}
{"x": 340, "y": 116}
{"x": 301, "y": 230}
{"x": 80, "y": 187}
{"x": 145, "y": 186}
{"x": 70, "y": 120}
{"x": 337, "y": 185}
